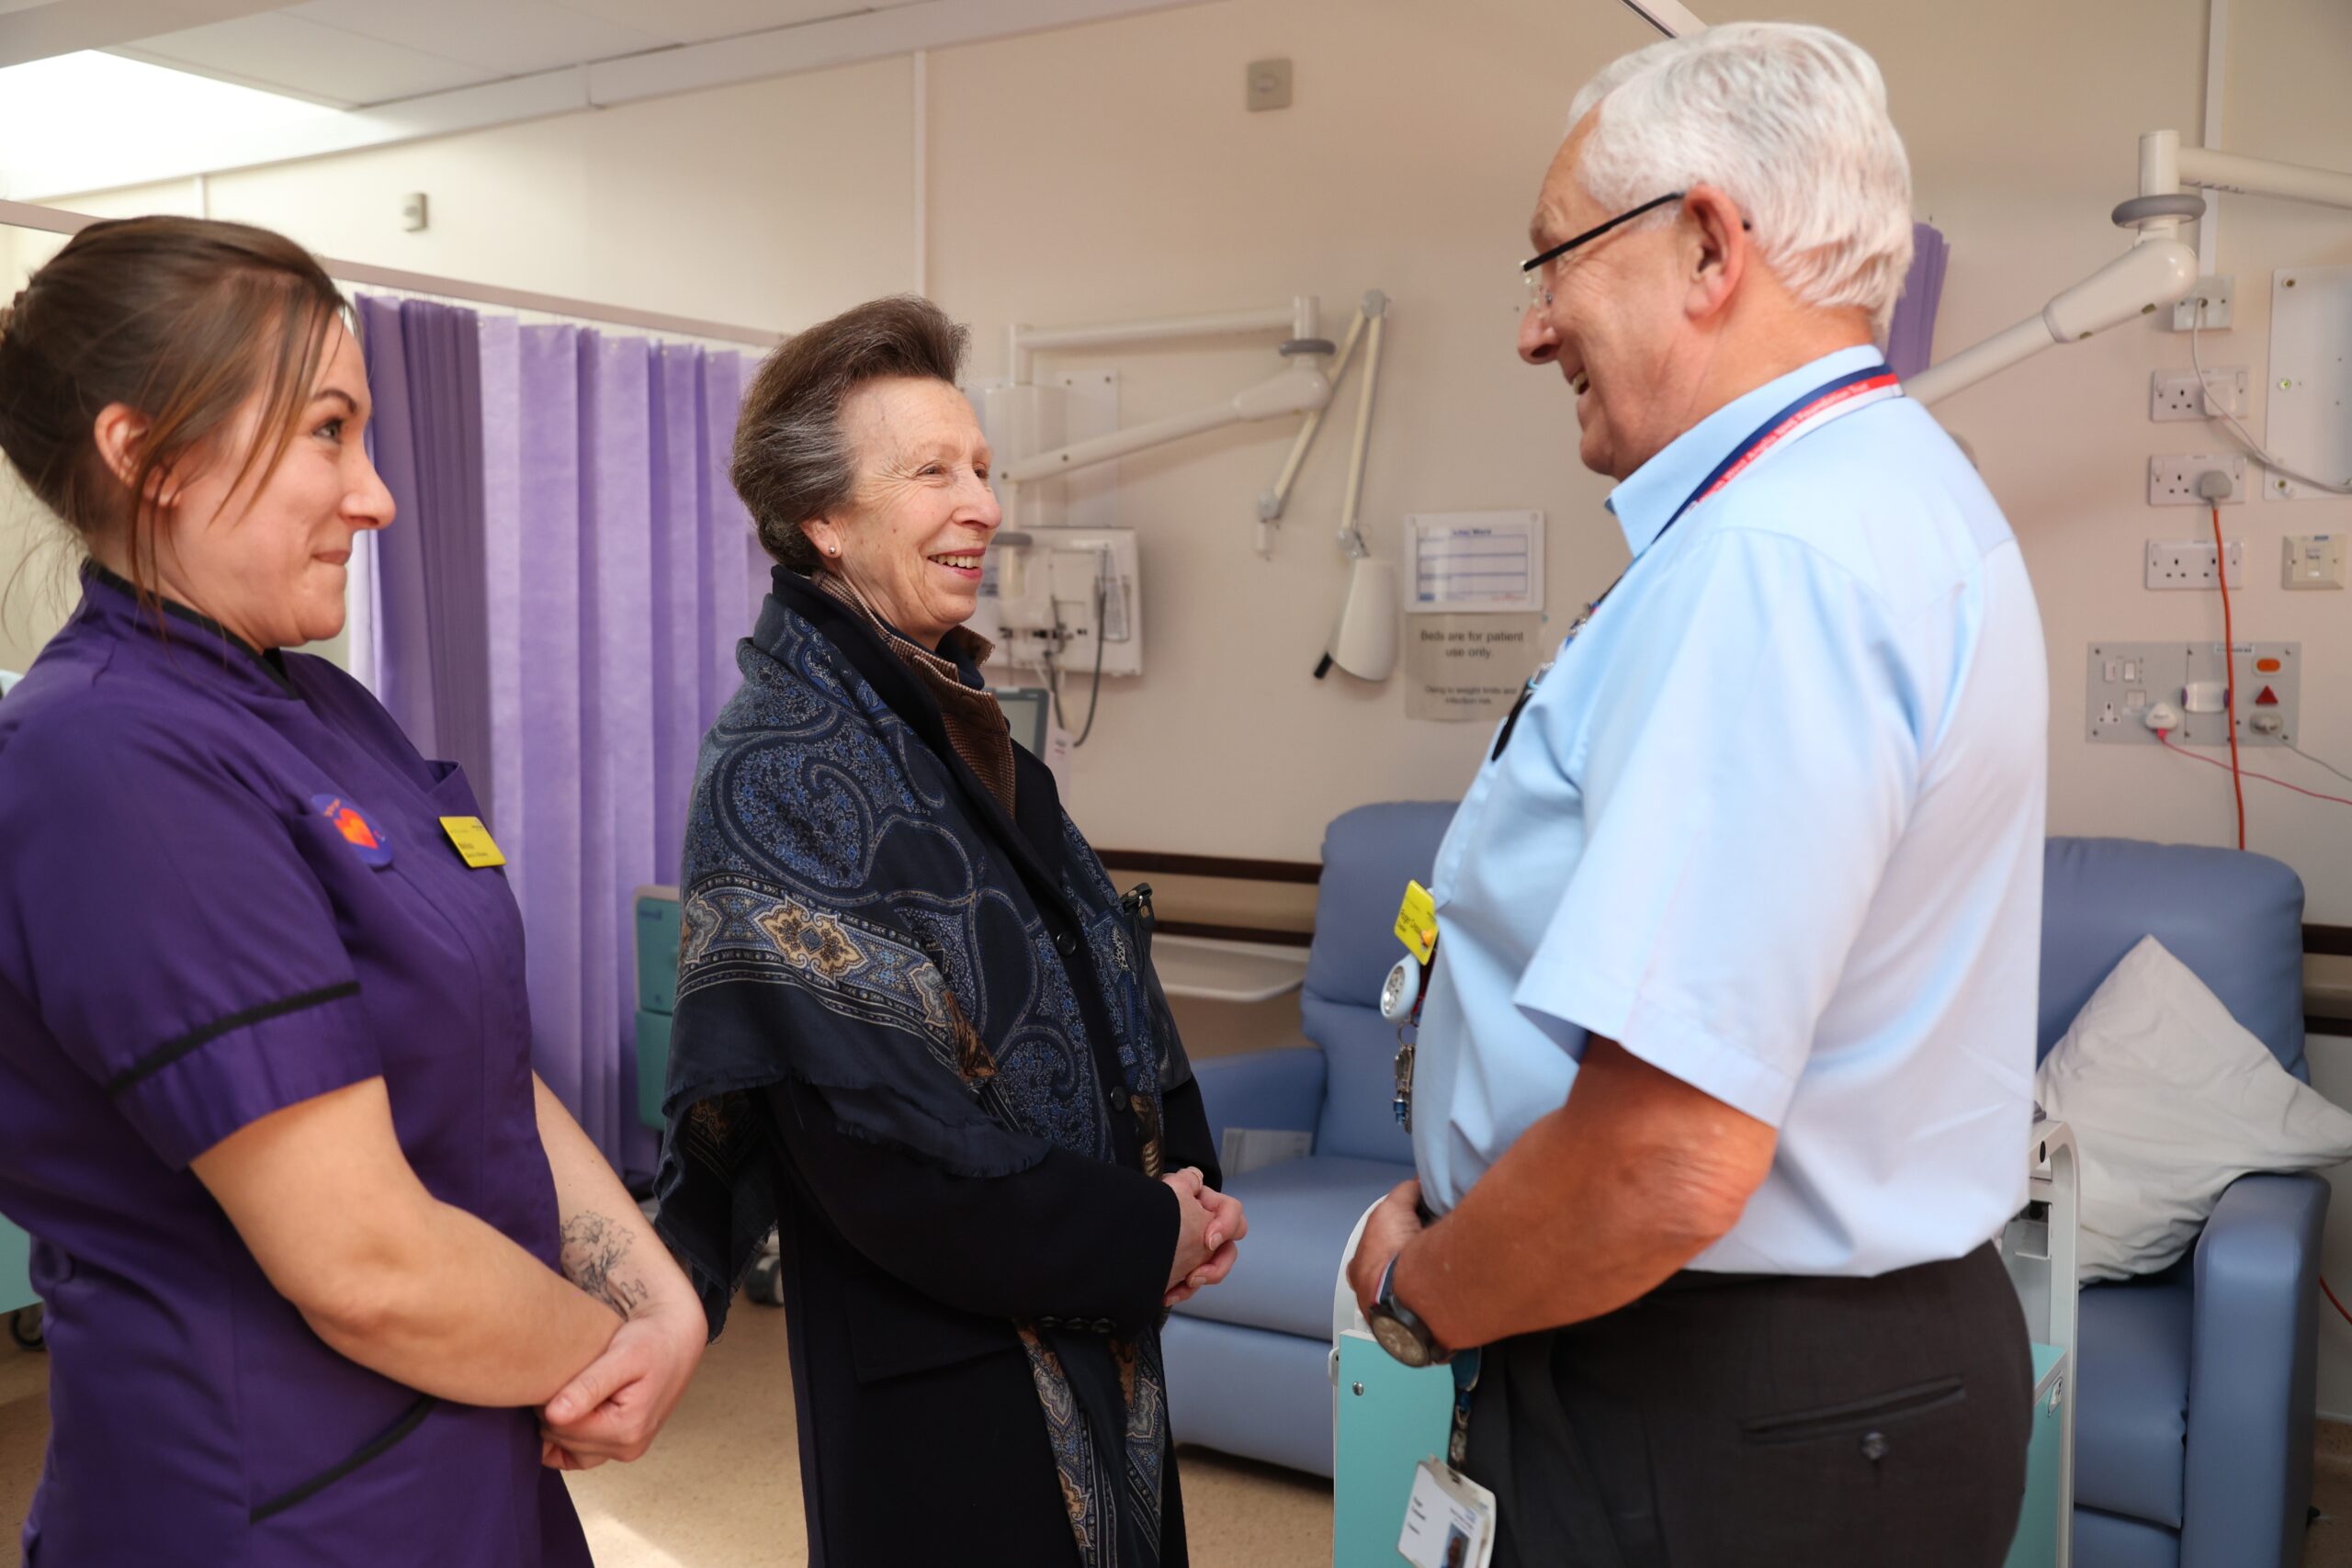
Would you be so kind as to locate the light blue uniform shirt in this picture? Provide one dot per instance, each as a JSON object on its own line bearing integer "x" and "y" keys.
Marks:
{"x": 1774, "y": 824}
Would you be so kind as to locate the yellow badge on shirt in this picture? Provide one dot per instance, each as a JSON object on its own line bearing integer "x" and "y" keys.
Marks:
{"x": 475, "y": 845}
{"x": 1416, "y": 922}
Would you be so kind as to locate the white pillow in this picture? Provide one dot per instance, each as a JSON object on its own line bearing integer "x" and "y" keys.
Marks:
{"x": 2171, "y": 1099}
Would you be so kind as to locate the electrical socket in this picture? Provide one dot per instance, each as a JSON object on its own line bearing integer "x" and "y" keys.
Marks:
{"x": 2212, "y": 295}
{"x": 2189, "y": 563}
{"x": 2172, "y": 394}
{"x": 2172, "y": 479}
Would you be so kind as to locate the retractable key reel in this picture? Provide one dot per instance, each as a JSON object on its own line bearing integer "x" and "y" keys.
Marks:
{"x": 1408, "y": 984}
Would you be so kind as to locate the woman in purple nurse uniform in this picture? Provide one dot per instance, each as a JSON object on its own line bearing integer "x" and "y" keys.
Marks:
{"x": 329, "y": 1277}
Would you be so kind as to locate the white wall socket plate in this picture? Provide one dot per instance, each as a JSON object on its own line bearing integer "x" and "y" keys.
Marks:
{"x": 2189, "y": 563}
{"x": 2172, "y": 478}
{"x": 2214, "y": 295}
{"x": 2172, "y": 394}
{"x": 2313, "y": 560}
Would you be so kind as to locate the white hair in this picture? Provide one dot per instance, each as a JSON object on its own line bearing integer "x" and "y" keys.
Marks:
{"x": 1788, "y": 120}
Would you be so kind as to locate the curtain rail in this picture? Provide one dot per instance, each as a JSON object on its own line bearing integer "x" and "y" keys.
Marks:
{"x": 57, "y": 220}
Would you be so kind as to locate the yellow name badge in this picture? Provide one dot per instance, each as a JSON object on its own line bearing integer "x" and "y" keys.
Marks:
{"x": 1416, "y": 922}
{"x": 475, "y": 845}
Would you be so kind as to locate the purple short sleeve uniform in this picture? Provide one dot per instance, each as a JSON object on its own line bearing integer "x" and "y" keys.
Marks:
{"x": 224, "y": 889}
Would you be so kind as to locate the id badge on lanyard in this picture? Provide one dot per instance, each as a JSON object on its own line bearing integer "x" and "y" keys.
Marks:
{"x": 1857, "y": 389}
{"x": 1449, "y": 1518}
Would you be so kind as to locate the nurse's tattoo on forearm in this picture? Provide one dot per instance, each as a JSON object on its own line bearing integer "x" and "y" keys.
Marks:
{"x": 594, "y": 1253}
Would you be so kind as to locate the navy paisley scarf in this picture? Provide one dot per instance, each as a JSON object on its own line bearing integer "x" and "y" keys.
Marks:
{"x": 862, "y": 916}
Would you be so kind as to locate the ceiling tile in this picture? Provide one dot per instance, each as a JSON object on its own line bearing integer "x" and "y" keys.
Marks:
{"x": 286, "y": 53}
{"x": 512, "y": 38}
{"x": 697, "y": 21}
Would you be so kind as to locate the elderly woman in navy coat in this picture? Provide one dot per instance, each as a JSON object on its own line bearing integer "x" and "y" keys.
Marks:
{"x": 917, "y": 1027}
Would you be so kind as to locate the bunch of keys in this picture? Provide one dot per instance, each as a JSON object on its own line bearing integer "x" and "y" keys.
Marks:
{"x": 1401, "y": 993}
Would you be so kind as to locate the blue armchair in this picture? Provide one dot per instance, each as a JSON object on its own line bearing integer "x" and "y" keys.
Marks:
{"x": 2193, "y": 1437}
{"x": 1248, "y": 1362}
{"x": 2193, "y": 1419}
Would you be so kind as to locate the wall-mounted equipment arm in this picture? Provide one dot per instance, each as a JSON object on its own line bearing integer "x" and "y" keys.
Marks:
{"x": 2142, "y": 280}
{"x": 1298, "y": 389}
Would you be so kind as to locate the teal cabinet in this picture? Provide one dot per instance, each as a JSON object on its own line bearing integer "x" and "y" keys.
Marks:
{"x": 657, "y": 949}
{"x": 653, "y": 1064}
{"x": 1391, "y": 1417}
{"x": 16, "y": 1267}
{"x": 2038, "y": 1542}
{"x": 657, "y": 996}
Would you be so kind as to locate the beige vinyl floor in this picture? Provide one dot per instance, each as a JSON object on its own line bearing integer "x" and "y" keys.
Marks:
{"x": 722, "y": 1489}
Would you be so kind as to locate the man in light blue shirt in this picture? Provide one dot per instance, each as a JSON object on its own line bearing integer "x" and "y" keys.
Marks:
{"x": 1724, "y": 1070}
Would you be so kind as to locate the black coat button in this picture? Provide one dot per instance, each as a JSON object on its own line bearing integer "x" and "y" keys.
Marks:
{"x": 1065, "y": 944}
{"x": 1874, "y": 1446}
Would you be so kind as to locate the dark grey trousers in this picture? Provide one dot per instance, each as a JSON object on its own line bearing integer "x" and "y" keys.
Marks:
{"x": 1724, "y": 1421}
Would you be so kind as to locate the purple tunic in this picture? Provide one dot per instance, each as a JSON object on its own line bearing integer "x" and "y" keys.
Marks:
{"x": 224, "y": 889}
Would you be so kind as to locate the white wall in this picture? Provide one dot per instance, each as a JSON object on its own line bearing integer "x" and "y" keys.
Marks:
{"x": 1110, "y": 170}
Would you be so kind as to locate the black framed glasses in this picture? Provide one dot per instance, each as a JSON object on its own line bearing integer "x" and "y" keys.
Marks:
{"x": 1534, "y": 271}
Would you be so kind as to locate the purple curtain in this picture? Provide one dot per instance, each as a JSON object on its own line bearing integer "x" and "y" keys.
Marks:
{"x": 587, "y": 571}
{"x": 1911, "y": 337}
{"x": 424, "y": 373}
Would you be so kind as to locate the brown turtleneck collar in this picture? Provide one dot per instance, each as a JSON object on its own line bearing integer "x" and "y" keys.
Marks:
{"x": 976, "y": 724}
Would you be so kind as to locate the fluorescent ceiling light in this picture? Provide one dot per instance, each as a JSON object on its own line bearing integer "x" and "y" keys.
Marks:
{"x": 91, "y": 110}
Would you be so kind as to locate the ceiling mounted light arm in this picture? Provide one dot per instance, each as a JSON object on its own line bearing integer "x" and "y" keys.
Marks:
{"x": 2156, "y": 271}
{"x": 1668, "y": 16}
{"x": 2212, "y": 170}
{"x": 2142, "y": 280}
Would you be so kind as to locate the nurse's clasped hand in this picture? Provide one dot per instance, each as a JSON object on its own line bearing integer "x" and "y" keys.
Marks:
{"x": 432, "y": 1297}
{"x": 418, "y": 1290}
{"x": 613, "y": 1406}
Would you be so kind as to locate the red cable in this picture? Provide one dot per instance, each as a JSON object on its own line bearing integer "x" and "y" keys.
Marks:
{"x": 2332, "y": 1302}
{"x": 2229, "y": 668}
{"x": 2164, "y": 737}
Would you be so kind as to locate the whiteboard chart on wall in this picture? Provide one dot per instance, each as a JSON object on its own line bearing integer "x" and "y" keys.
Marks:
{"x": 2311, "y": 378}
{"x": 1475, "y": 562}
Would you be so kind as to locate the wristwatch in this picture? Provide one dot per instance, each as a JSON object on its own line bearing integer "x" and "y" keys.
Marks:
{"x": 1400, "y": 1331}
